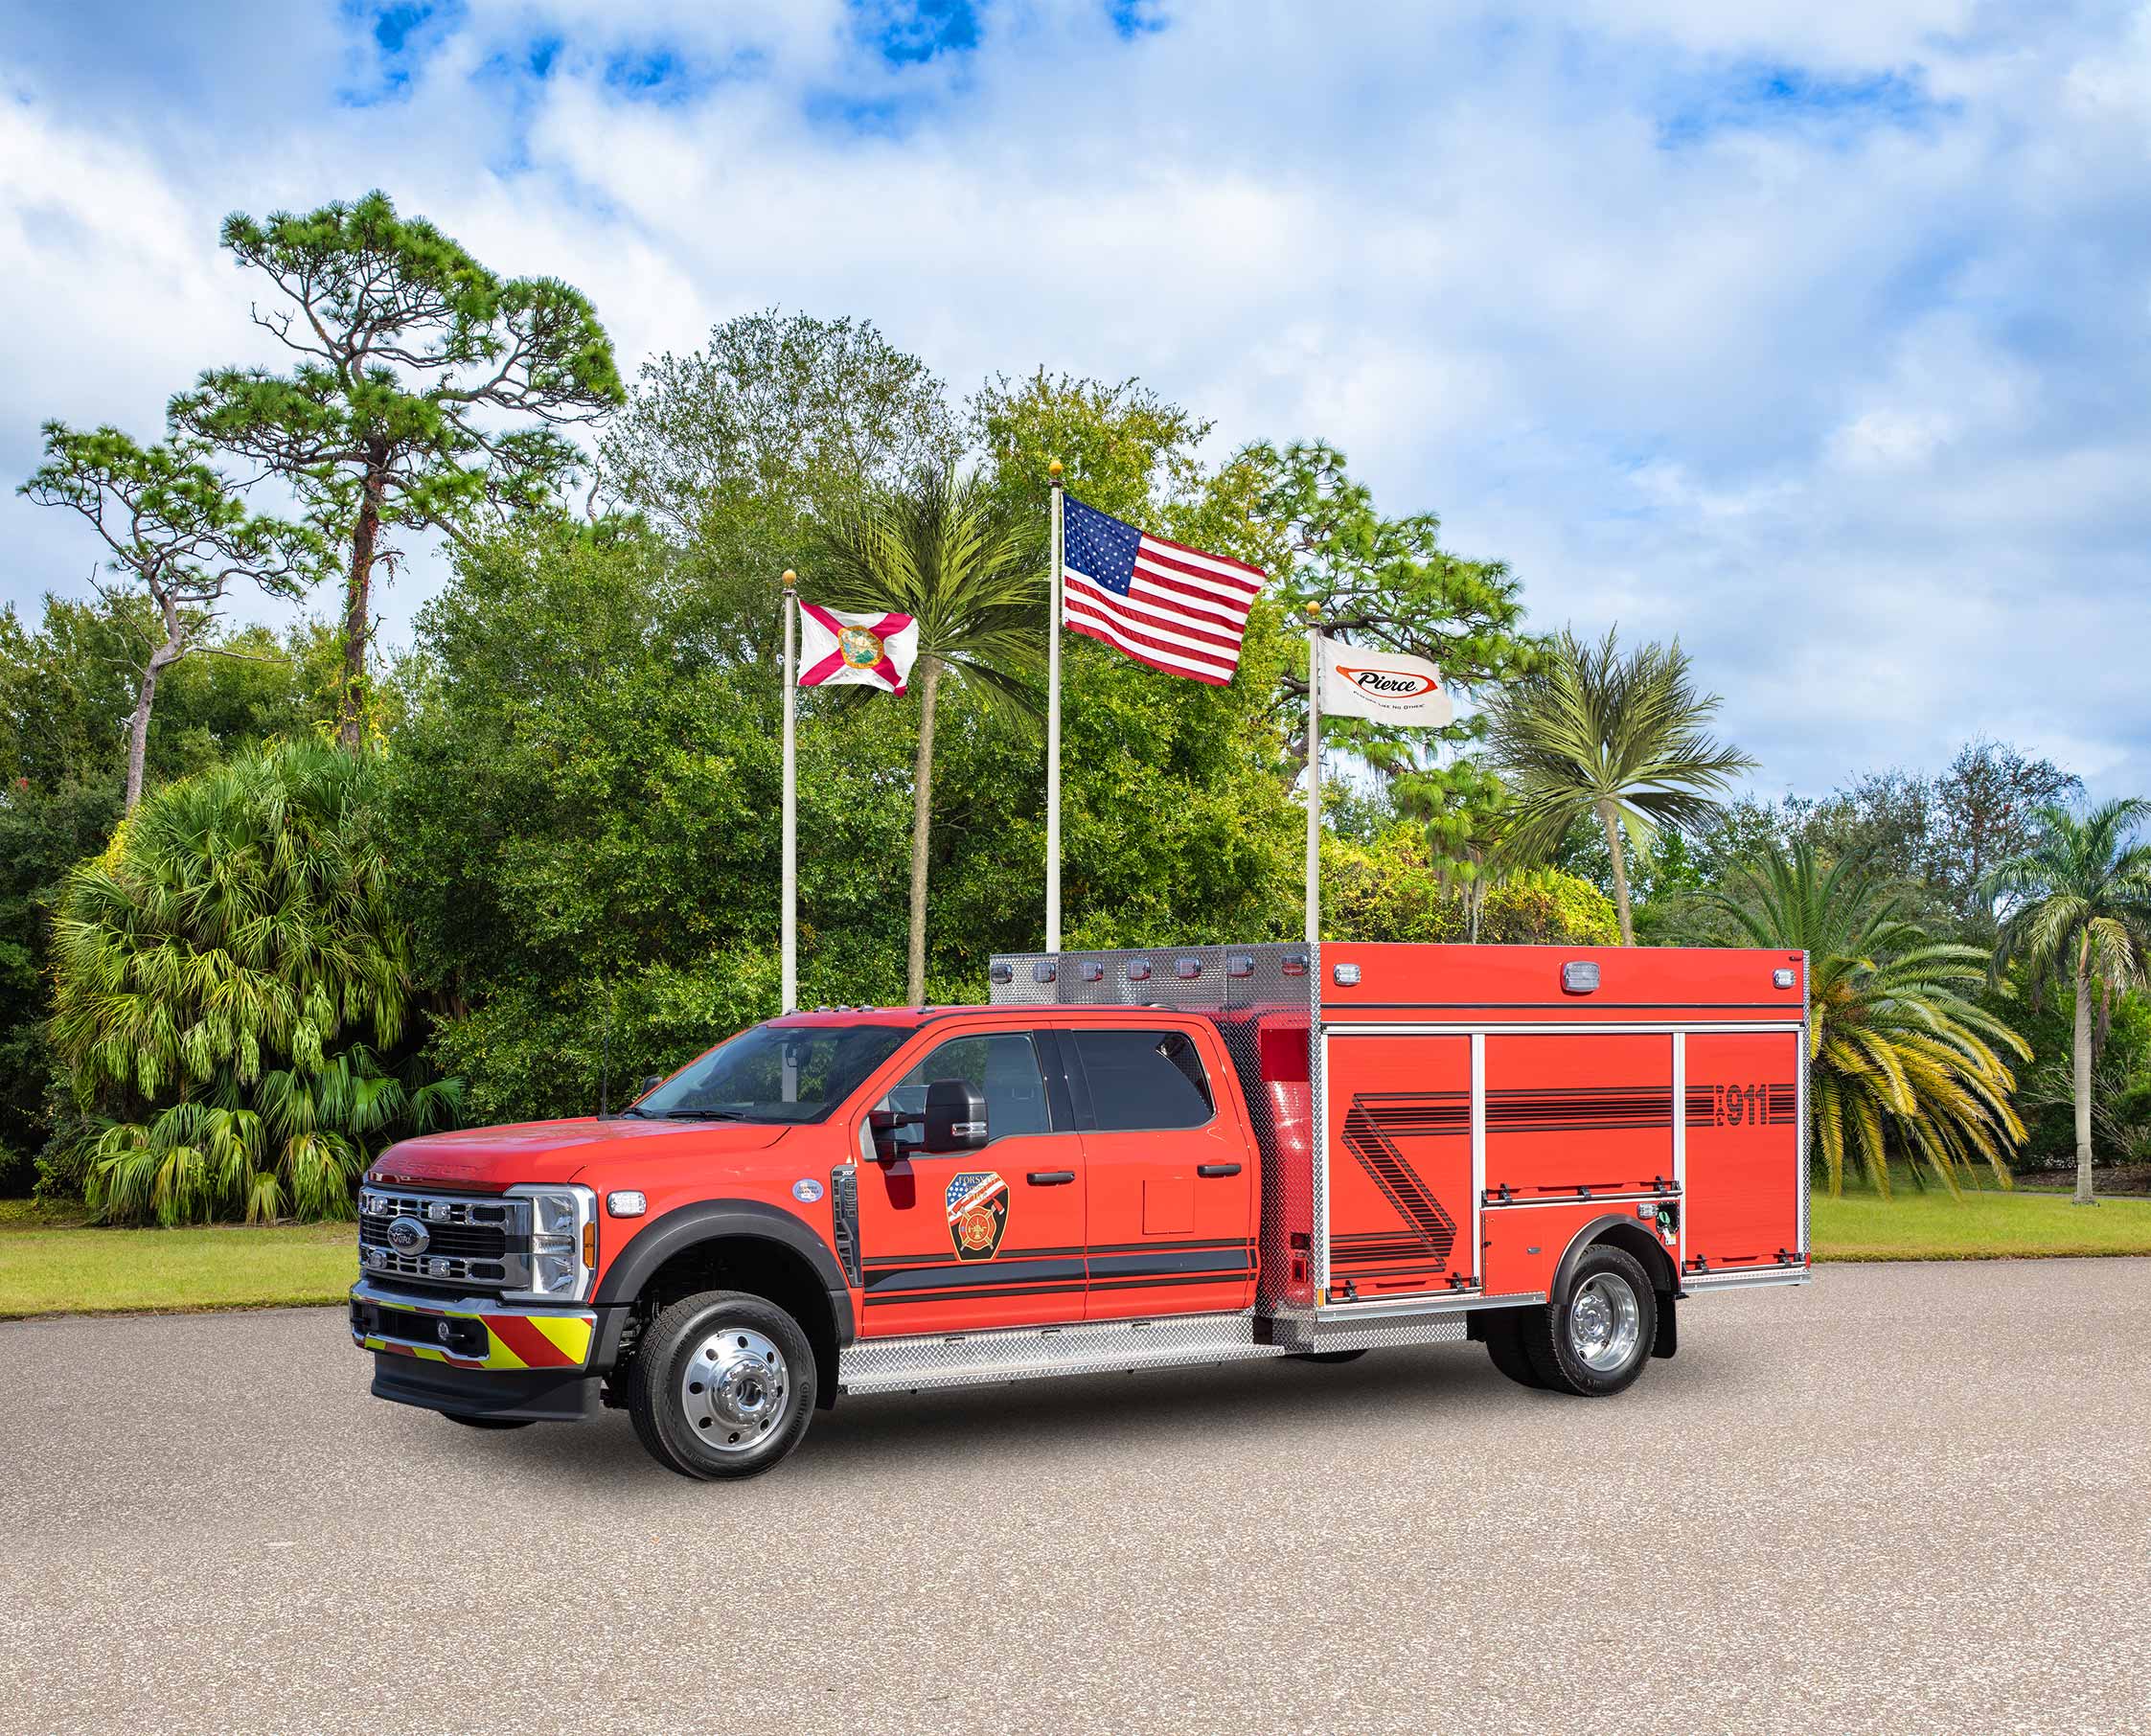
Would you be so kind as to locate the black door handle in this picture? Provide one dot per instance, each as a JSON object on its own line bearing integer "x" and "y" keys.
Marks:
{"x": 1213, "y": 1170}
{"x": 1050, "y": 1177}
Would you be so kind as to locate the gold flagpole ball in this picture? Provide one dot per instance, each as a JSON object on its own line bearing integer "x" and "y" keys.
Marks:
{"x": 791, "y": 577}
{"x": 1053, "y": 470}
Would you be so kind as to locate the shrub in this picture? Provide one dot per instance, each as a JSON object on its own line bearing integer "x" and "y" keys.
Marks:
{"x": 232, "y": 988}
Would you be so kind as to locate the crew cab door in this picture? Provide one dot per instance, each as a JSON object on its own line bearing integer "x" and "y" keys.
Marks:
{"x": 1171, "y": 1170}
{"x": 961, "y": 1241}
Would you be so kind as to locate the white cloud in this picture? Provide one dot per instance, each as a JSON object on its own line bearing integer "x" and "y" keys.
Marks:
{"x": 1815, "y": 334}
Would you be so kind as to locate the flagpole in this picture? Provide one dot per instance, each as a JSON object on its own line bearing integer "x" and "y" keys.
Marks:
{"x": 1053, "y": 730}
{"x": 788, "y": 946}
{"x": 1314, "y": 776}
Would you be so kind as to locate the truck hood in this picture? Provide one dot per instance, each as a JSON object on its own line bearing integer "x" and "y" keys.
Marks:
{"x": 611, "y": 1150}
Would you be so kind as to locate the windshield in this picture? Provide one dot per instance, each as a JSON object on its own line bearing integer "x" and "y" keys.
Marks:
{"x": 776, "y": 1073}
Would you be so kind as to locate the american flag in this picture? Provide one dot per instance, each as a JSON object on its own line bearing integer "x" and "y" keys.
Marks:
{"x": 1163, "y": 603}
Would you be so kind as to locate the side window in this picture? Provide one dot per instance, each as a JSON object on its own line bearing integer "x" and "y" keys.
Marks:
{"x": 1004, "y": 1068}
{"x": 1144, "y": 1080}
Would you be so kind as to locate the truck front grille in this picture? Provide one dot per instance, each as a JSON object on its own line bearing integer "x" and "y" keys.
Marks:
{"x": 468, "y": 1244}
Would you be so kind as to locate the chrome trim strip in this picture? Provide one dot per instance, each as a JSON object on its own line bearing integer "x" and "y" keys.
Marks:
{"x": 1631, "y": 1198}
{"x": 1799, "y": 1078}
{"x": 1747, "y": 1280}
{"x": 914, "y": 1362}
{"x": 1318, "y": 1146}
{"x": 1402, "y": 1308}
{"x": 1479, "y": 1153}
{"x": 433, "y": 1302}
{"x": 1680, "y": 1146}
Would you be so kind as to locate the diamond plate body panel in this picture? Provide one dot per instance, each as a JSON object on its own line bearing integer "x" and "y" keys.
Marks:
{"x": 1327, "y": 1331}
{"x": 907, "y": 1364}
{"x": 1259, "y": 994}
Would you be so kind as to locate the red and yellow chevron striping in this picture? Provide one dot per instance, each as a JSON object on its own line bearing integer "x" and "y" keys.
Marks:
{"x": 511, "y": 1340}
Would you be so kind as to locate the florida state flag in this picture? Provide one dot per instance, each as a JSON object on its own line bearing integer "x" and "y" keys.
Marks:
{"x": 837, "y": 647}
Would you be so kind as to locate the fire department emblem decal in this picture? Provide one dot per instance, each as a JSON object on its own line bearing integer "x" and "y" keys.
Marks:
{"x": 977, "y": 1214}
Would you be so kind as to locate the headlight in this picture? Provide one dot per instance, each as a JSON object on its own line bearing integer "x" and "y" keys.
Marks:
{"x": 563, "y": 1243}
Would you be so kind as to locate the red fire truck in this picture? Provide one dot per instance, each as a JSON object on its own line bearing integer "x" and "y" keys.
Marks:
{"x": 1126, "y": 1162}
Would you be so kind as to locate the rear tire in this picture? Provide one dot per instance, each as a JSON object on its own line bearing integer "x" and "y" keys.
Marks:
{"x": 489, "y": 1422}
{"x": 1596, "y": 1340}
{"x": 1505, "y": 1344}
{"x": 723, "y": 1386}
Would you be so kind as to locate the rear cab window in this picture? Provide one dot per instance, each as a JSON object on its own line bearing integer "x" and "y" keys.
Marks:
{"x": 1145, "y": 1080}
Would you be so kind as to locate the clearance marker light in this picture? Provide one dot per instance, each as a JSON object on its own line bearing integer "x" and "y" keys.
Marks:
{"x": 626, "y": 1203}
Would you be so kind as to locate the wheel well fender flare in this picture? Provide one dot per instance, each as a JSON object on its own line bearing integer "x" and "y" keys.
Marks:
{"x": 724, "y": 1220}
{"x": 1627, "y": 1234}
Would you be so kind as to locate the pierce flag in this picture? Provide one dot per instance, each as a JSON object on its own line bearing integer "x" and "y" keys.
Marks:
{"x": 839, "y": 648}
{"x": 1385, "y": 687}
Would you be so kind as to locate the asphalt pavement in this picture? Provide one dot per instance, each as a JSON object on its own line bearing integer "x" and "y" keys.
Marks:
{"x": 1907, "y": 1498}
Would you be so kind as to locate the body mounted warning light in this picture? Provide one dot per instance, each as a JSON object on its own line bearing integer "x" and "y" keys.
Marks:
{"x": 1187, "y": 970}
{"x": 1346, "y": 976}
{"x": 1092, "y": 971}
{"x": 1580, "y": 977}
{"x": 1045, "y": 970}
{"x": 1240, "y": 964}
{"x": 1138, "y": 969}
{"x": 1001, "y": 972}
{"x": 1295, "y": 964}
{"x": 1781, "y": 979}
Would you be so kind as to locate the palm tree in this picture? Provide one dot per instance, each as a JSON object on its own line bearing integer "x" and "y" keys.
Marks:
{"x": 1897, "y": 1051}
{"x": 216, "y": 974}
{"x": 1621, "y": 738}
{"x": 2079, "y": 908}
{"x": 946, "y": 553}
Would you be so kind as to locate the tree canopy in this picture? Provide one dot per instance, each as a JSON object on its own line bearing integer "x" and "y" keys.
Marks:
{"x": 426, "y": 388}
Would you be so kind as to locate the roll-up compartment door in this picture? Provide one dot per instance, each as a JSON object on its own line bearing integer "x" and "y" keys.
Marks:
{"x": 1744, "y": 1180}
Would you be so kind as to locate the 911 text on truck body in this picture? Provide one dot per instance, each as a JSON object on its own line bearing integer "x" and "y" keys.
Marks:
{"x": 1127, "y": 1161}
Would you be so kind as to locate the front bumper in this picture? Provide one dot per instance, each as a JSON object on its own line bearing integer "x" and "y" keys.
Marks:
{"x": 476, "y": 1357}
{"x": 478, "y": 1333}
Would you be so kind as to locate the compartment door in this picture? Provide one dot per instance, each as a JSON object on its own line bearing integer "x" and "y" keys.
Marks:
{"x": 1567, "y": 1114}
{"x": 1399, "y": 1112}
{"x": 1743, "y": 1181}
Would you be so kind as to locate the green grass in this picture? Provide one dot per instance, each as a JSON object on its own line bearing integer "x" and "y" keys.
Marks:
{"x": 1985, "y": 1225}
{"x": 52, "y": 1264}
{"x": 49, "y": 1269}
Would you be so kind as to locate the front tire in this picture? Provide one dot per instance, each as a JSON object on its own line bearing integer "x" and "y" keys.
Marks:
{"x": 489, "y": 1421}
{"x": 723, "y": 1386}
{"x": 1595, "y": 1342}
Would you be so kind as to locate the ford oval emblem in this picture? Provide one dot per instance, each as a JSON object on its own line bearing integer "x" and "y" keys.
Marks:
{"x": 408, "y": 1236}
{"x": 806, "y": 1192}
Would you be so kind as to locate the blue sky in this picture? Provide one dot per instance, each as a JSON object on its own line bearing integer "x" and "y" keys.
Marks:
{"x": 1820, "y": 336}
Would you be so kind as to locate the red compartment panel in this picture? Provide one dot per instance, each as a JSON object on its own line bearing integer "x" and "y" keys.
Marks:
{"x": 1593, "y": 1110}
{"x": 1400, "y": 1143}
{"x": 1744, "y": 1176}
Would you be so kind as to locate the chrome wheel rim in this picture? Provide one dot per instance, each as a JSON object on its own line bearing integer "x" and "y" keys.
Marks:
{"x": 734, "y": 1389}
{"x": 1605, "y": 1321}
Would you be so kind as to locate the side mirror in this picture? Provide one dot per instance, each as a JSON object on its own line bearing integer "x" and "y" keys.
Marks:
{"x": 650, "y": 1081}
{"x": 955, "y": 1118}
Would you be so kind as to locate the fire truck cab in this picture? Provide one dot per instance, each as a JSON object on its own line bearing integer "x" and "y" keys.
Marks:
{"x": 1125, "y": 1161}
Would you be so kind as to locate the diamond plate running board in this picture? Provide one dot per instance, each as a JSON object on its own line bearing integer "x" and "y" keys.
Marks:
{"x": 1025, "y": 1353}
